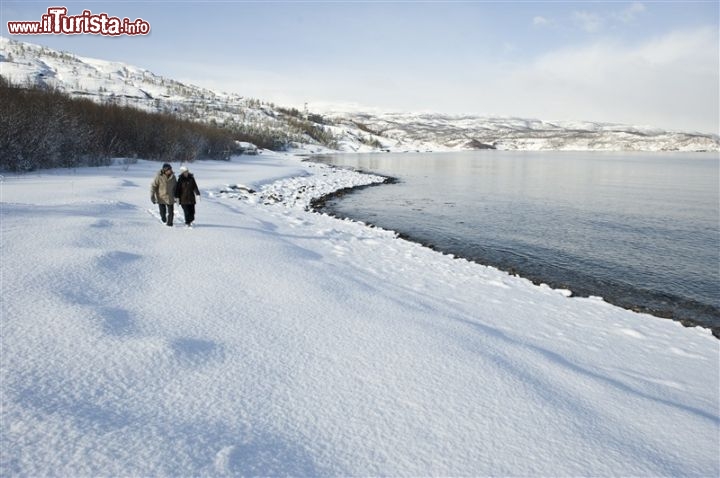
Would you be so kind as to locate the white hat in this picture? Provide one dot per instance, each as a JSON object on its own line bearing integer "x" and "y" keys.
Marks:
{"x": 183, "y": 169}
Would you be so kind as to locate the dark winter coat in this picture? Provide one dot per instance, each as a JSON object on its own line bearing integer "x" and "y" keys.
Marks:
{"x": 162, "y": 188}
{"x": 186, "y": 189}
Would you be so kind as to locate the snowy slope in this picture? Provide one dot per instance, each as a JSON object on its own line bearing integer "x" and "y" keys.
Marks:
{"x": 104, "y": 81}
{"x": 270, "y": 340}
{"x": 25, "y": 63}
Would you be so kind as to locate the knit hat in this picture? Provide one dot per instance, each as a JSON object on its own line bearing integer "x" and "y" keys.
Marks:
{"x": 183, "y": 169}
{"x": 166, "y": 166}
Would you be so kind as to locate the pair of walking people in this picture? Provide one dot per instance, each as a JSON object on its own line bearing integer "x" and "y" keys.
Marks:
{"x": 165, "y": 190}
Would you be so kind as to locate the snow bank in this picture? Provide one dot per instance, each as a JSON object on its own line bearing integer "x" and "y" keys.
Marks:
{"x": 271, "y": 340}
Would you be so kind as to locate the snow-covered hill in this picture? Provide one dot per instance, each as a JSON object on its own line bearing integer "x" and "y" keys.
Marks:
{"x": 120, "y": 83}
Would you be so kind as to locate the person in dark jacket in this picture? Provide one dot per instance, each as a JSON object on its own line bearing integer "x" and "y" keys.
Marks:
{"x": 162, "y": 192}
{"x": 185, "y": 192}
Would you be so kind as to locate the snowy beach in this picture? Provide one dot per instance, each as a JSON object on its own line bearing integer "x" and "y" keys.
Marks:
{"x": 272, "y": 340}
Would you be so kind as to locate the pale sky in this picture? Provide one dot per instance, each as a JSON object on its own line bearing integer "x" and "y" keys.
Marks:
{"x": 644, "y": 63}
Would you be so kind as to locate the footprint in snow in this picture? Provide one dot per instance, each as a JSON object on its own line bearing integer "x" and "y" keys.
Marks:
{"x": 196, "y": 351}
{"x": 113, "y": 259}
{"x": 102, "y": 223}
{"x": 265, "y": 455}
{"x": 117, "y": 322}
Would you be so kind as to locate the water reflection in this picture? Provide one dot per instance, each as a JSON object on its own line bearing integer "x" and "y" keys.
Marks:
{"x": 640, "y": 229}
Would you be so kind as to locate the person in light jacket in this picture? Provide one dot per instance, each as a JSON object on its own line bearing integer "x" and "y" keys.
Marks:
{"x": 185, "y": 191}
{"x": 162, "y": 192}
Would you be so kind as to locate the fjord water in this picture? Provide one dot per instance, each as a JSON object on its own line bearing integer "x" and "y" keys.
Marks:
{"x": 640, "y": 230}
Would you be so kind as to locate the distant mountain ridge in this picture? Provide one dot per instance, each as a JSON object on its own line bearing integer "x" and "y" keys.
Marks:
{"x": 476, "y": 132}
{"x": 105, "y": 81}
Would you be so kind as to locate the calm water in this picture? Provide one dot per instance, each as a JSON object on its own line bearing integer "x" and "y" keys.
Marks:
{"x": 639, "y": 229}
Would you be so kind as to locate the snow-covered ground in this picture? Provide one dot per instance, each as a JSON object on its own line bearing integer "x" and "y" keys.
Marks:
{"x": 270, "y": 340}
